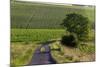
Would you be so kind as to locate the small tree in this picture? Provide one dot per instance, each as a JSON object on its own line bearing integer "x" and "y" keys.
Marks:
{"x": 76, "y": 23}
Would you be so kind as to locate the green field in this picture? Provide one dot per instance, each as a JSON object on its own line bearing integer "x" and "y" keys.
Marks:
{"x": 40, "y": 15}
{"x": 34, "y": 23}
{"x": 25, "y": 35}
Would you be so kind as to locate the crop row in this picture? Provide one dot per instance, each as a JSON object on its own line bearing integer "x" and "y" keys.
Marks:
{"x": 32, "y": 15}
{"x": 26, "y": 35}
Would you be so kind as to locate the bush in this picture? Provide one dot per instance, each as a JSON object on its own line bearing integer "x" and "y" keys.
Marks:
{"x": 70, "y": 40}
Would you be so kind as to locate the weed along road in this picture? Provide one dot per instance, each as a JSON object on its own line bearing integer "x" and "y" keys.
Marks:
{"x": 42, "y": 57}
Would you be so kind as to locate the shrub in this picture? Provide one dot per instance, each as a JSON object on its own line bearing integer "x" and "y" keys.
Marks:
{"x": 70, "y": 40}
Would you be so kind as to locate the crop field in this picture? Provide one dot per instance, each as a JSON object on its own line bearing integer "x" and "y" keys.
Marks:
{"x": 38, "y": 15}
{"x": 20, "y": 35}
{"x": 33, "y": 24}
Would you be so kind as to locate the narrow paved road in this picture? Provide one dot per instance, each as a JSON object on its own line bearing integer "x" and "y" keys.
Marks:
{"x": 40, "y": 58}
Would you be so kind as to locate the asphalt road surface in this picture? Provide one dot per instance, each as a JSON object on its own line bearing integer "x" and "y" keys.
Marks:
{"x": 40, "y": 58}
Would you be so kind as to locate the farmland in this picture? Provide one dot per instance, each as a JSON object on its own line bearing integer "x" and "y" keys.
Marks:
{"x": 32, "y": 24}
{"x": 25, "y": 35}
{"x": 38, "y": 15}
{"x": 40, "y": 22}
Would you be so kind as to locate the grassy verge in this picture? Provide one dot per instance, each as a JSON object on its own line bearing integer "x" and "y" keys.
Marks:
{"x": 64, "y": 54}
{"x": 21, "y": 53}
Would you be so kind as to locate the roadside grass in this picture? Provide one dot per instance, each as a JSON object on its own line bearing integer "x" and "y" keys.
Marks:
{"x": 67, "y": 54}
{"x": 87, "y": 48}
{"x": 21, "y": 53}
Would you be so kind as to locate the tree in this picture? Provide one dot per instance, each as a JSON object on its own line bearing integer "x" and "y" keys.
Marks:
{"x": 70, "y": 40}
{"x": 76, "y": 23}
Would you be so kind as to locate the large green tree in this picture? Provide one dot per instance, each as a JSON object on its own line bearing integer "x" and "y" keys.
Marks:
{"x": 77, "y": 23}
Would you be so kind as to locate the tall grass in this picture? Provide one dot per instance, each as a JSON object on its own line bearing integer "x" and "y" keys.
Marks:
{"x": 87, "y": 48}
{"x": 21, "y": 54}
{"x": 68, "y": 54}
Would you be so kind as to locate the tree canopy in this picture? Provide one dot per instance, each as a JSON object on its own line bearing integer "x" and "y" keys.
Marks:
{"x": 77, "y": 23}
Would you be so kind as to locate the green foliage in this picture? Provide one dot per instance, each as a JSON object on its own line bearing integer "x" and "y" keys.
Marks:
{"x": 27, "y": 35}
{"x": 70, "y": 40}
{"x": 77, "y": 23}
{"x": 87, "y": 48}
{"x": 37, "y": 15}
